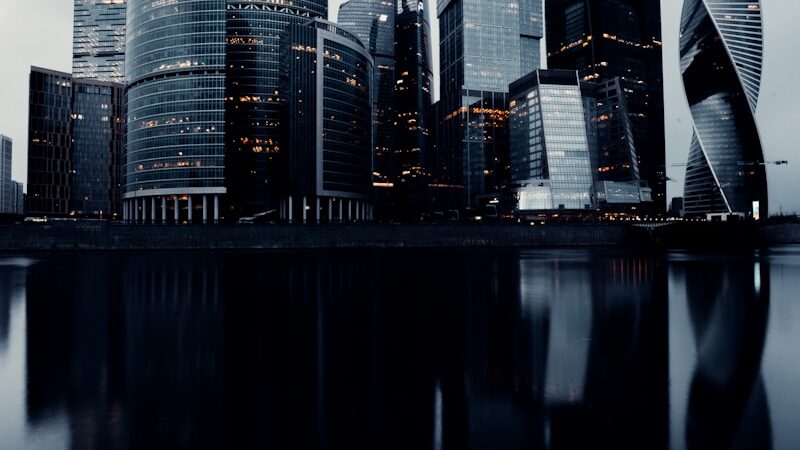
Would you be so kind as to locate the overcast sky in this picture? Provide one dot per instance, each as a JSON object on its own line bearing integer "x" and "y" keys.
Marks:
{"x": 39, "y": 33}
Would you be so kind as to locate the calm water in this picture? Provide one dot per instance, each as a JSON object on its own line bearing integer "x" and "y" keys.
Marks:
{"x": 401, "y": 350}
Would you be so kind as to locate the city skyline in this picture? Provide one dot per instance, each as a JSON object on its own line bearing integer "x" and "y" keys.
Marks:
{"x": 775, "y": 113}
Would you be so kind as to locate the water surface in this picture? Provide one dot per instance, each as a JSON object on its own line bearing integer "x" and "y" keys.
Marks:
{"x": 548, "y": 349}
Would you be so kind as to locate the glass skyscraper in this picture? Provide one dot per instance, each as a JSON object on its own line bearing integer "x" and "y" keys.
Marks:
{"x": 75, "y": 131}
{"x": 484, "y": 46}
{"x": 175, "y": 70}
{"x": 608, "y": 40}
{"x": 550, "y": 162}
{"x": 326, "y": 75}
{"x": 7, "y": 198}
{"x": 721, "y": 50}
{"x": 373, "y": 21}
{"x": 253, "y": 105}
{"x": 98, "y": 44}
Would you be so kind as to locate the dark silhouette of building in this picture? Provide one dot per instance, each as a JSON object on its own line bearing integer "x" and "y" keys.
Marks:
{"x": 610, "y": 42}
{"x": 326, "y": 75}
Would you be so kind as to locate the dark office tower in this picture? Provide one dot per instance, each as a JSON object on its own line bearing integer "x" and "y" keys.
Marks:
{"x": 252, "y": 109}
{"x": 7, "y": 198}
{"x": 484, "y": 46}
{"x": 75, "y": 130}
{"x": 97, "y": 132}
{"x": 413, "y": 86}
{"x": 98, "y": 45}
{"x": 175, "y": 70}
{"x": 49, "y": 142}
{"x": 373, "y": 21}
{"x": 721, "y": 55}
{"x": 606, "y": 39}
{"x": 326, "y": 74}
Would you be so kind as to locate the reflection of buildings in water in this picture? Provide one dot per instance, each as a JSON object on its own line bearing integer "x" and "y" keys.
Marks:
{"x": 729, "y": 309}
{"x": 12, "y": 281}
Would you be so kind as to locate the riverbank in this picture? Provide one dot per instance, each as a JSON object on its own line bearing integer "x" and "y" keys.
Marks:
{"x": 70, "y": 236}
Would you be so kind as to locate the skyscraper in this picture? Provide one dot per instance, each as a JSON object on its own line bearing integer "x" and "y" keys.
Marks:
{"x": 326, "y": 74}
{"x": 7, "y": 198}
{"x": 373, "y": 21}
{"x": 98, "y": 44}
{"x": 253, "y": 101}
{"x": 484, "y": 46}
{"x": 75, "y": 132}
{"x": 175, "y": 70}
{"x": 609, "y": 39}
{"x": 721, "y": 52}
{"x": 550, "y": 162}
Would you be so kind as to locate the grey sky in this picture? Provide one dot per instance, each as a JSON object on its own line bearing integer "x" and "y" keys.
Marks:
{"x": 44, "y": 39}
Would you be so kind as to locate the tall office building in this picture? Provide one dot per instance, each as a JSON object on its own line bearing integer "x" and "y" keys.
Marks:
{"x": 607, "y": 40}
{"x": 49, "y": 142}
{"x": 373, "y": 21}
{"x": 326, "y": 75}
{"x": 7, "y": 199}
{"x": 75, "y": 132}
{"x": 98, "y": 43}
{"x": 550, "y": 162}
{"x": 721, "y": 52}
{"x": 253, "y": 106}
{"x": 484, "y": 46}
{"x": 175, "y": 70}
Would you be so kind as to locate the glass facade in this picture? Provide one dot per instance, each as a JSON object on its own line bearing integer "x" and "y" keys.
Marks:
{"x": 618, "y": 41}
{"x": 253, "y": 116}
{"x": 98, "y": 44}
{"x": 76, "y": 132}
{"x": 49, "y": 142}
{"x": 326, "y": 75}
{"x": 97, "y": 136}
{"x": 7, "y": 198}
{"x": 484, "y": 46}
{"x": 175, "y": 70}
{"x": 373, "y": 21}
{"x": 721, "y": 52}
{"x": 550, "y": 162}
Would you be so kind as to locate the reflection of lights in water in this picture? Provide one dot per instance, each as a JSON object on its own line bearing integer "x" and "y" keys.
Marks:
{"x": 437, "y": 417}
{"x": 757, "y": 278}
{"x": 17, "y": 262}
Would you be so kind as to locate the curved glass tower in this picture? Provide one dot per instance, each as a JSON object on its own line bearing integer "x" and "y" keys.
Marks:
{"x": 175, "y": 70}
{"x": 721, "y": 54}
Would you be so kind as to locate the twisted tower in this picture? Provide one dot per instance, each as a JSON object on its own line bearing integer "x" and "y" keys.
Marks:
{"x": 721, "y": 49}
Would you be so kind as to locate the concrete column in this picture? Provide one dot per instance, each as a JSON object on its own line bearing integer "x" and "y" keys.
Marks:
{"x": 135, "y": 210}
{"x": 341, "y": 211}
{"x": 191, "y": 209}
{"x": 305, "y": 209}
{"x": 363, "y": 212}
{"x": 358, "y": 210}
{"x": 318, "y": 210}
{"x": 216, "y": 209}
{"x": 349, "y": 210}
{"x": 330, "y": 210}
{"x": 177, "y": 210}
{"x": 291, "y": 212}
{"x": 153, "y": 210}
{"x": 124, "y": 211}
{"x": 163, "y": 210}
{"x": 205, "y": 209}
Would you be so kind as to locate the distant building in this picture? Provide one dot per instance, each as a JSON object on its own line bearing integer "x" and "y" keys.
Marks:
{"x": 98, "y": 43}
{"x": 550, "y": 161}
{"x": 7, "y": 199}
{"x": 721, "y": 58}
{"x": 326, "y": 74}
{"x": 484, "y": 46}
{"x": 617, "y": 44}
{"x": 18, "y": 194}
{"x": 676, "y": 207}
{"x": 75, "y": 144}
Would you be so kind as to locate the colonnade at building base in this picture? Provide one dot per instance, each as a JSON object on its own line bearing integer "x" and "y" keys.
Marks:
{"x": 172, "y": 209}
{"x": 323, "y": 209}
